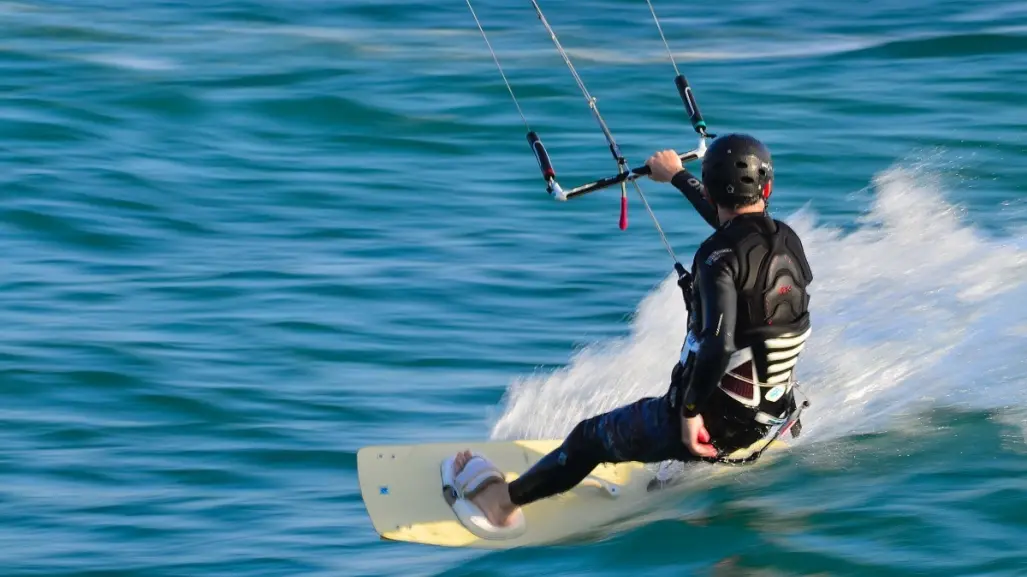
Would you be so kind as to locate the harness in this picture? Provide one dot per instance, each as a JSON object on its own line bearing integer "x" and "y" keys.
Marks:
{"x": 790, "y": 423}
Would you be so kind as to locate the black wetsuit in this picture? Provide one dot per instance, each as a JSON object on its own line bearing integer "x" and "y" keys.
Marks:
{"x": 748, "y": 320}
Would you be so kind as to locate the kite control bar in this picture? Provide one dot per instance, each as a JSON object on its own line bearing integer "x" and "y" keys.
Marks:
{"x": 624, "y": 176}
{"x": 554, "y": 189}
{"x": 634, "y": 174}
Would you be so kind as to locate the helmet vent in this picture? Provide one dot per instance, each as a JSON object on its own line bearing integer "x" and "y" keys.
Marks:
{"x": 747, "y": 180}
{"x": 763, "y": 171}
{"x": 741, "y": 164}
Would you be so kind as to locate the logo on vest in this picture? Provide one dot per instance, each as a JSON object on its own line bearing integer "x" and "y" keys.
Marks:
{"x": 715, "y": 255}
{"x": 776, "y": 393}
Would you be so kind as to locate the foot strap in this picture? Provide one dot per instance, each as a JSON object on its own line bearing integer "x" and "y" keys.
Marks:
{"x": 459, "y": 489}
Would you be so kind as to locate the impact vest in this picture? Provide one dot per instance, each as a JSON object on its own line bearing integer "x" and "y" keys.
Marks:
{"x": 773, "y": 321}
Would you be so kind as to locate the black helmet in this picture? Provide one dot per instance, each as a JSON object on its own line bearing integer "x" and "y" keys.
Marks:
{"x": 737, "y": 171}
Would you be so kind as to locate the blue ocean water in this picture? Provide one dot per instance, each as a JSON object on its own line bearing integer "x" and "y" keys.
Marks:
{"x": 243, "y": 239}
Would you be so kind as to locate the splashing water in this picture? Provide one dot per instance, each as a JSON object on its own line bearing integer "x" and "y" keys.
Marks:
{"x": 913, "y": 310}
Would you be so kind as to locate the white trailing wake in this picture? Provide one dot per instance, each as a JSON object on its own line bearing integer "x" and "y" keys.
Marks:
{"x": 915, "y": 309}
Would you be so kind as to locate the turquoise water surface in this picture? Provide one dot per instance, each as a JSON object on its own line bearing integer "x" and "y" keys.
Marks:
{"x": 243, "y": 239}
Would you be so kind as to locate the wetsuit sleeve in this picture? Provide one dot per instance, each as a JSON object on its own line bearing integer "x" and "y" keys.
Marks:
{"x": 719, "y": 301}
{"x": 690, "y": 186}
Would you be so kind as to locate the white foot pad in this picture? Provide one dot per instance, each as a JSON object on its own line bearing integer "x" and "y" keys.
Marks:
{"x": 454, "y": 487}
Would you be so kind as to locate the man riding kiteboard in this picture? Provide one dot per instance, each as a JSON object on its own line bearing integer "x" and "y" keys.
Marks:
{"x": 748, "y": 321}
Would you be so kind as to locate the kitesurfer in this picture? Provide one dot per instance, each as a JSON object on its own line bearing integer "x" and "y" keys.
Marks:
{"x": 748, "y": 321}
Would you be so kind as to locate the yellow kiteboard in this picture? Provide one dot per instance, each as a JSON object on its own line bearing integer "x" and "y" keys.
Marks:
{"x": 402, "y": 490}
